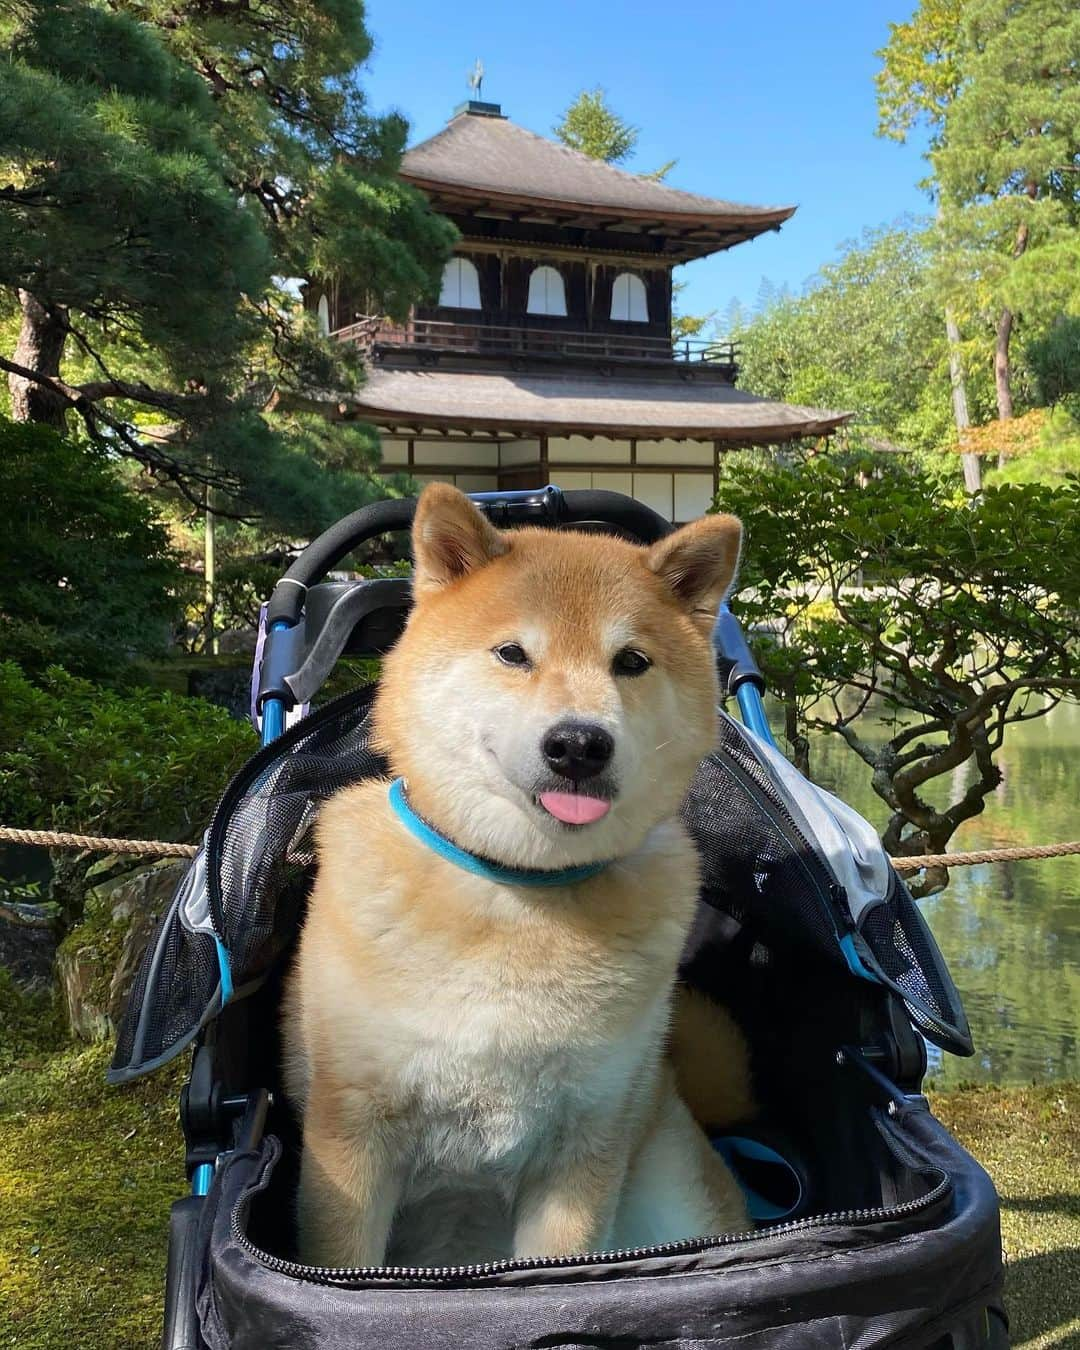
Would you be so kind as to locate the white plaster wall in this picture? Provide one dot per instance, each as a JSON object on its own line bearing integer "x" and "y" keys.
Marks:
{"x": 614, "y": 482}
{"x": 583, "y": 450}
{"x": 394, "y": 451}
{"x": 467, "y": 482}
{"x": 681, "y": 496}
{"x": 654, "y": 489}
{"x": 481, "y": 454}
{"x": 525, "y": 451}
{"x": 675, "y": 452}
{"x": 693, "y": 495}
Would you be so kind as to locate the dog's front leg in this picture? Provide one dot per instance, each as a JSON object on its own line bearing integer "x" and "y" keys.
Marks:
{"x": 350, "y": 1181}
{"x": 567, "y": 1203}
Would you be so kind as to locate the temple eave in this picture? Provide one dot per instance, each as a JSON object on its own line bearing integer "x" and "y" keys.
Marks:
{"x": 538, "y": 405}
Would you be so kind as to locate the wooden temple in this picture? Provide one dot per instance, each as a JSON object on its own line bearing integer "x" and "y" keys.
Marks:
{"x": 549, "y": 356}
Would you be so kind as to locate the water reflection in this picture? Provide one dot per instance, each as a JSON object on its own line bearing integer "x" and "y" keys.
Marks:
{"x": 1010, "y": 932}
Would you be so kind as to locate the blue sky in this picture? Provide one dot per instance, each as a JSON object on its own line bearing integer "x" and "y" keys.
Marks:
{"x": 768, "y": 102}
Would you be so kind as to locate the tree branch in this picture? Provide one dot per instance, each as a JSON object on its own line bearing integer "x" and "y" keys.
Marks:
{"x": 124, "y": 439}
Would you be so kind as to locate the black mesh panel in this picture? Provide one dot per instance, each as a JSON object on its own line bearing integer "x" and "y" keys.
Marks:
{"x": 908, "y": 957}
{"x": 175, "y": 991}
{"x": 753, "y": 869}
{"x": 259, "y": 861}
{"x": 259, "y": 846}
{"x": 761, "y": 870}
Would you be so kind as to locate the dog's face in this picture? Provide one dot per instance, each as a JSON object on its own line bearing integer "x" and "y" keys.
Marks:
{"x": 553, "y": 692}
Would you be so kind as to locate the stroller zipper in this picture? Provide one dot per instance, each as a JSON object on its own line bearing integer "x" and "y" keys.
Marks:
{"x": 342, "y": 1275}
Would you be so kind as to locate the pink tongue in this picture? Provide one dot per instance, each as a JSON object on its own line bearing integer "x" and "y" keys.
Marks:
{"x": 574, "y": 809}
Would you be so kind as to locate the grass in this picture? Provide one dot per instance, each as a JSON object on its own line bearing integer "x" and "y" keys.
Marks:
{"x": 1028, "y": 1139}
{"x": 87, "y": 1174}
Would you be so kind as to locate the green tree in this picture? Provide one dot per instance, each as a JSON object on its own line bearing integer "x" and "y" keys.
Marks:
{"x": 594, "y": 129}
{"x": 958, "y": 616}
{"x": 865, "y": 336}
{"x": 88, "y": 578}
{"x": 920, "y": 70}
{"x": 162, "y": 169}
{"x": 995, "y": 83}
{"x": 1054, "y": 360}
{"x": 131, "y": 763}
{"x": 1008, "y": 157}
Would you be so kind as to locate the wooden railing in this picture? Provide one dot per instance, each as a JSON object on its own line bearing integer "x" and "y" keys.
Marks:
{"x": 496, "y": 339}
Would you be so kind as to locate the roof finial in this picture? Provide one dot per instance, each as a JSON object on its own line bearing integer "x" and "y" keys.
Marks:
{"x": 476, "y": 78}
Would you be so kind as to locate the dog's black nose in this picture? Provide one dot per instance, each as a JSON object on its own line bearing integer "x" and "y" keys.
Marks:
{"x": 577, "y": 750}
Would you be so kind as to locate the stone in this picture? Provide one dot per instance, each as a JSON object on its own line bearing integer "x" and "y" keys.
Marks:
{"x": 79, "y": 969}
{"x": 97, "y": 962}
{"x": 27, "y": 944}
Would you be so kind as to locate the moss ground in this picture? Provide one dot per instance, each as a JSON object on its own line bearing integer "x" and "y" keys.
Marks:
{"x": 87, "y": 1174}
{"x": 1028, "y": 1139}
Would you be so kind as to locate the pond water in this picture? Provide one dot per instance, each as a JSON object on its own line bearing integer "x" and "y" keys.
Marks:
{"x": 1010, "y": 932}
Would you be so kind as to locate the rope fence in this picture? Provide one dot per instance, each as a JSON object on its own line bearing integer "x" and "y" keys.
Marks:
{"x": 94, "y": 843}
{"x": 162, "y": 849}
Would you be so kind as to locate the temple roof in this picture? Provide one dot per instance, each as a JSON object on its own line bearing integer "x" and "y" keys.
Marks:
{"x": 561, "y": 404}
{"x": 485, "y": 159}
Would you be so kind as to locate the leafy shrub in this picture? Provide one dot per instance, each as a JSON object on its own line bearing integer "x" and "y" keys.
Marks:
{"x": 88, "y": 579}
{"x": 76, "y": 756}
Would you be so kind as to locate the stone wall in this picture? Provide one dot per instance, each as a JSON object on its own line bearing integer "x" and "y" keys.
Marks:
{"x": 97, "y": 962}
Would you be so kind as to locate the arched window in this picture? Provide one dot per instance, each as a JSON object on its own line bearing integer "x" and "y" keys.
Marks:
{"x": 323, "y": 315}
{"x": 547, "y": 294}
{"x": 628, "y": 299}
{"x": 460, "y": 285}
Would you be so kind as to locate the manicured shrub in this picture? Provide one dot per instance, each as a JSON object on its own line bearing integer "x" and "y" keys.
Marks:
{"x": 131, "y": 763}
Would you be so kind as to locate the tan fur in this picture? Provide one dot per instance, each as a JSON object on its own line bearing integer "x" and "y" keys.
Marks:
{"x": 481, "y": 1066}
{"x": 711, "y": 1061}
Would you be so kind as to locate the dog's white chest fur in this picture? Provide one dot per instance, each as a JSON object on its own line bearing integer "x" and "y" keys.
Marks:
{"x": 482, "y": 1042}
{"x": 490, "y": 1087}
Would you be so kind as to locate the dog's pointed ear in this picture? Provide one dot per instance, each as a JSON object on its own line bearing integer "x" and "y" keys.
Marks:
{"x": 699, "y": 563}
{"x": 450, "y": 538}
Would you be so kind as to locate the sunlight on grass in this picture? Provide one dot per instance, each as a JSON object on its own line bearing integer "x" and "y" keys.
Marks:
{"x": 1028, "y": 1139}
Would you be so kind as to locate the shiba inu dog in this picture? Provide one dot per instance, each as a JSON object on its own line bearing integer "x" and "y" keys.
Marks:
{"x": 477, "y": 1025}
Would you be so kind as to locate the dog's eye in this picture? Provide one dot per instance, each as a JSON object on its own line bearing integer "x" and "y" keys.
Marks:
{"x": 512, "y": 654}
{"x": 630, "y": 662}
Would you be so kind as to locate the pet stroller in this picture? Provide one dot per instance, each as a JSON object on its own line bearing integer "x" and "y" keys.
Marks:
{"x": 873, "y": 1226}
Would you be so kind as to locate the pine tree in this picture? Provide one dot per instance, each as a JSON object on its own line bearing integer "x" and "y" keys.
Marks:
{"x": 996, "y": 83}
{"x": 591, "y": 127}
{"x": 163, "y": 167}
{"x": 1009, "y": 156}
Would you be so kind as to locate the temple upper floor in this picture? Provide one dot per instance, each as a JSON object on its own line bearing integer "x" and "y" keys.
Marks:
{"x": 561, "y": 257}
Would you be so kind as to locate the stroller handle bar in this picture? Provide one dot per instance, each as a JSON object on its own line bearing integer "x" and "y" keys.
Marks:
{"x": 548, "y": 506}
